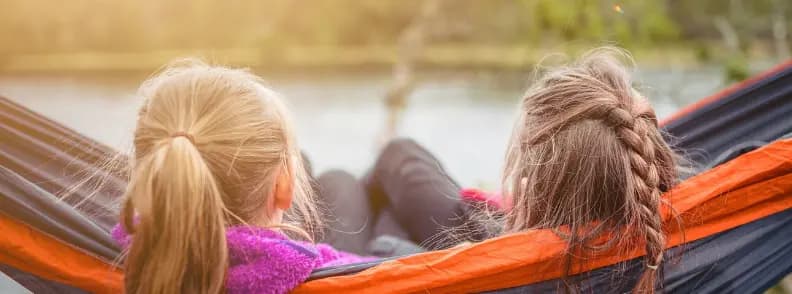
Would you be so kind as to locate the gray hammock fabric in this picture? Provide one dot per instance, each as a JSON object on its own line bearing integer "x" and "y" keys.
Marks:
{"x": 41, "y": 160}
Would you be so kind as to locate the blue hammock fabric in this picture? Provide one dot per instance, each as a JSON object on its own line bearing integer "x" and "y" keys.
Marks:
{"x": 754, "y": 114}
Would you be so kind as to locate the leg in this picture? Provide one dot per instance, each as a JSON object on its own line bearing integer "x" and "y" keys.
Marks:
{"x": 387, "y": 224}
{"x": 349, "y": 217}
{"x": 423, "y": 198}
{"x": 390, "y": 239}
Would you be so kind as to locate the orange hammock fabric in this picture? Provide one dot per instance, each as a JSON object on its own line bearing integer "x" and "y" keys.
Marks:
{"x": 29, "y": 250}
{"x": 745, "y": 189}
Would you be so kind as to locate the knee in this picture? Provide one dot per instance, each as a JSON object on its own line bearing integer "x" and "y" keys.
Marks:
{"x": 337, "y": 186}
{"x": 401, "y": 155}
{"x": 400, "y": 146}
{"x": 335, "y": 176}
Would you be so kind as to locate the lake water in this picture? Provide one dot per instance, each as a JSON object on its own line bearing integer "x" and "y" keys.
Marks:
{"x": 463, "y": 117}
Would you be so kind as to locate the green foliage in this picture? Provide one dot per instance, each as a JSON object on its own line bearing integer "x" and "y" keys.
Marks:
{"x": 658, "y": 28}
{"x": 736, "y": 69}
{"x": 36, "y": 26}
{"x": 703, "y": 52}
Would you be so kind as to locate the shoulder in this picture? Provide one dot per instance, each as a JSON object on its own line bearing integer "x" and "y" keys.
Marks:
{"x": 330, "y": 256}
{"x": 120, "y": 236}
{"x": 262, "y": 260}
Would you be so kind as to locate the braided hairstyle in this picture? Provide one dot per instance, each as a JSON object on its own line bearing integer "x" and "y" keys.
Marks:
{"x": 587, "y": 160}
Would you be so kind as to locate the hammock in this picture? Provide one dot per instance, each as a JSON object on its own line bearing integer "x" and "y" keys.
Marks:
{"x": 737, "y": 235}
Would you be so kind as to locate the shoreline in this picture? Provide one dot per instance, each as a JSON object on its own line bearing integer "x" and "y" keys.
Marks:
{"x": 293, "y": 58}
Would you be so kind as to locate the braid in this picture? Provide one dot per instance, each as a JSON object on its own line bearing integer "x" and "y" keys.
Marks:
{"x": 586, "y": 156}
{"x": 645, "y": 181}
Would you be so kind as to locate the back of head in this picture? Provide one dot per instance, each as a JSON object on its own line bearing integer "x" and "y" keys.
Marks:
{"x": 208, "y": 145}
{"x": 587, "y": 159}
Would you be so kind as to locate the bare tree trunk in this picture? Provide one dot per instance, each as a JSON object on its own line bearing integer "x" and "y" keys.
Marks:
{"x": 728, "y": 33}
{"x": 780, "y": 29}
{"x": 411, "y": 43}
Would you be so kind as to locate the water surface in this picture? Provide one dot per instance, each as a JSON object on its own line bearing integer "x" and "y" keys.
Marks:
{"x": 463, "y": 117}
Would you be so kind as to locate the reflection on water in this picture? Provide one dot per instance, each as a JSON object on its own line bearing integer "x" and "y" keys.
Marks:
{"x": 464, "y": 118}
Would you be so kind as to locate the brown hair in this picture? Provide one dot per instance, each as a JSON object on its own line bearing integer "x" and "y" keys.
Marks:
{"x": 208, "y": 146}
{"x": 587, "y": 159}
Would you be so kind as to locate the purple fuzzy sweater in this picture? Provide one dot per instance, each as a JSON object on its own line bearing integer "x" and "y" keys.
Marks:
{"x": 266, "y": 261}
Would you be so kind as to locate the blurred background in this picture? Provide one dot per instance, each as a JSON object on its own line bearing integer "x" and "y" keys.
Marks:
{"x": 447, "y": 73}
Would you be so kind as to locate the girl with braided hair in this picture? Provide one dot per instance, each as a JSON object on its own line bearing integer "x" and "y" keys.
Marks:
{"x": 588, "y": 160}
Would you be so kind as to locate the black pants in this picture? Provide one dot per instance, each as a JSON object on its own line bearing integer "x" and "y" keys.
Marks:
{"x": 407, "y": 194}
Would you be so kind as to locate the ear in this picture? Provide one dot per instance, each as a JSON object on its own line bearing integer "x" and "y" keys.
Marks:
{"x": 284, "y": 188}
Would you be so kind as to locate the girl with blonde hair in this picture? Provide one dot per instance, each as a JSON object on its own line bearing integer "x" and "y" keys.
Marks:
{"x": 216, "y": 182}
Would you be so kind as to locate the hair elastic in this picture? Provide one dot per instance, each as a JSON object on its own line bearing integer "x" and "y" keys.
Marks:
{"x": 183, "y": 134}
{"x": 652, "y": 267}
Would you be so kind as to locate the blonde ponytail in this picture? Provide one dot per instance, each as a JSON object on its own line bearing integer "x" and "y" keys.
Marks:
{"x": 180, "y": 243}
{"x": 208, "y": 146}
